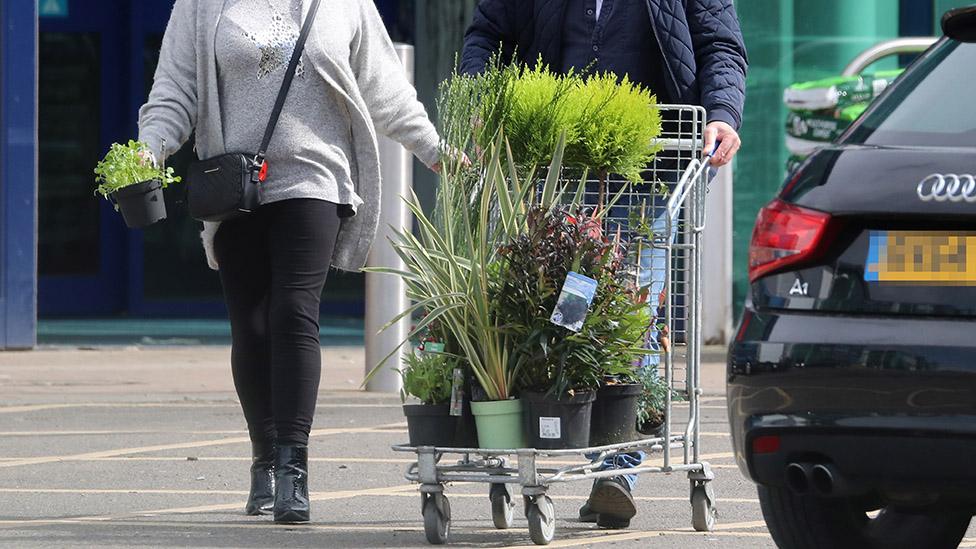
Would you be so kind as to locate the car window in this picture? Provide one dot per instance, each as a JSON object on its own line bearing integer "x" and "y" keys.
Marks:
{"x": 931, "y": 106}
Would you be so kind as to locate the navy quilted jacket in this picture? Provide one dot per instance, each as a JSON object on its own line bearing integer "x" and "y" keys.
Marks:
{"x": 704, "y": 53}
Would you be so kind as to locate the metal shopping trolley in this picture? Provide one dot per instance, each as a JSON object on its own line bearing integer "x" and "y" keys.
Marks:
{"x": 678, "y": 219}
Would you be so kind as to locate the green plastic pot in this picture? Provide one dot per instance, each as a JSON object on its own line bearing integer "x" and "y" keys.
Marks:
{"x": 500, "y": 425}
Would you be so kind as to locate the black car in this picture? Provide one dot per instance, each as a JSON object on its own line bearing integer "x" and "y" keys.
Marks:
{"x": 852, "y": 377}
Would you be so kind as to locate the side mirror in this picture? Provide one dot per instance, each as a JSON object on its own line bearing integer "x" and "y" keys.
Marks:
{"x": 960, "y": 24}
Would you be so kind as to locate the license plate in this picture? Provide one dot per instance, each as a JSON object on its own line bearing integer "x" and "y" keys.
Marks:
{"x": 928, "y": 258}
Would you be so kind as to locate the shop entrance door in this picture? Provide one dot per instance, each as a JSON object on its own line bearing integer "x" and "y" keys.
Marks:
{"x": 82, "y": 93}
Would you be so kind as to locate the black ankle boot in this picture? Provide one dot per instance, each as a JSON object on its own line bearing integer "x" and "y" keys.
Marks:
{"x": 291, "y": 483}
{"x": 261, "y": 499}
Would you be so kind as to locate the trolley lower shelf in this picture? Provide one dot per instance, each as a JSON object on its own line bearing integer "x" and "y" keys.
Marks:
{"x": 535, "y": 477}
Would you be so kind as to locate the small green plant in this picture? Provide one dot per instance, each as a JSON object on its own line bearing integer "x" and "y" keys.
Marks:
{"x": 126, "y": 165}
{"x": 428, "y": 376}
{"x": 553, "y": 359}
{"x": 651, "y": 404}
{"x": 608, "y": 125}
{"x": 616, "y": 124}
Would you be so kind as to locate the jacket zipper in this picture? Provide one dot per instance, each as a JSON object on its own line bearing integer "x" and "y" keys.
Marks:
{"x": 667, "y": 65}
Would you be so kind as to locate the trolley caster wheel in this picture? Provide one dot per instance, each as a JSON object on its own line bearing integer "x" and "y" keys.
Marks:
{"x": 437, "y": 518}
{"x": 542, "y": 518}
{"x": 502, "y": 506}
{"x": 703, "y": 511}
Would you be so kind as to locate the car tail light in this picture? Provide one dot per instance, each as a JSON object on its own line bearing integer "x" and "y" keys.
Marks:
{"x": 768, "y": 444}
{"x": 785, "y": 235}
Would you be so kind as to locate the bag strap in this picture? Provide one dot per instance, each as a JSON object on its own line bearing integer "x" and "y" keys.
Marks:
{"x": 286, "y": 84}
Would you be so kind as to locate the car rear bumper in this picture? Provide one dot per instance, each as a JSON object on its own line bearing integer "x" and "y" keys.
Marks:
{"x": 890, "y": 402}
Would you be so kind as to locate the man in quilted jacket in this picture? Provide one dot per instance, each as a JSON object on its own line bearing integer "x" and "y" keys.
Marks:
{"x": 684, "y": 51}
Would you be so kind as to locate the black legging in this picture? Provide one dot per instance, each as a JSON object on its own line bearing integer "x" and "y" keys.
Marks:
{"x": 273, "y": 265}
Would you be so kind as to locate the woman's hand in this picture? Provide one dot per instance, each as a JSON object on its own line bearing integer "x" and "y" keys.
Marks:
{"x": 148, "y": 158}
{"x": 439, "y": 166}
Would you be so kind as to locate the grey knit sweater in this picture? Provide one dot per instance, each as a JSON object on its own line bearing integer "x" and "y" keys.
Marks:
{"x": 348, "y": 51}
{"x": 311, "y": 153}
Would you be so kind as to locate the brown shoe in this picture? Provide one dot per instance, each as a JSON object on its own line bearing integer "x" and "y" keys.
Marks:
{"x": 612, "y": 501}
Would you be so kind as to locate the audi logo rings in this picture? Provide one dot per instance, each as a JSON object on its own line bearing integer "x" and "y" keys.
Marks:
{"x": 947, "y": 187}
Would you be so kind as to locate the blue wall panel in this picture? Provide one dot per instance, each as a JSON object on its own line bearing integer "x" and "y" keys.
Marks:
{"x": 18, "y": 174}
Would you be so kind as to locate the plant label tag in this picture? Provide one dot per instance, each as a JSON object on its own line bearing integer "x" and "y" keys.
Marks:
{"x": 550, "y": 428}
{"x": 574, "y": 302}
{"x": 457, "y": 393}
{"x": 433, "y": 347}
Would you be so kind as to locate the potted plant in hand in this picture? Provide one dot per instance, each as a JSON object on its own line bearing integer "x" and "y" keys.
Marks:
{"x": 129, "y": 178}
{"x": 428, "y": 376}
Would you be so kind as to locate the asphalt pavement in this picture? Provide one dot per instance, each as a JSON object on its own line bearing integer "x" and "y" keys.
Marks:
{"x": 133, "y": 447}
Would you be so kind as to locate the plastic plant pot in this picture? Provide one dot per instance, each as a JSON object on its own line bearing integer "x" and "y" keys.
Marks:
{"x": 466, "y": 430}
{"x": 499, "y": 424}
{"x": 141, "y": 204}
{"x": 430, "y": 424}
{"x": 614, "y": 418}
{"x": 556, "y": 424}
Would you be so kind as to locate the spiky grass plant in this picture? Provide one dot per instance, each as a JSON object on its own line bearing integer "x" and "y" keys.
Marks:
{"x": 452, "y": 273}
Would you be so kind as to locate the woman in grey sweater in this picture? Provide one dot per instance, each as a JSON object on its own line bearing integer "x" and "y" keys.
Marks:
{"x": 221, "y": 65}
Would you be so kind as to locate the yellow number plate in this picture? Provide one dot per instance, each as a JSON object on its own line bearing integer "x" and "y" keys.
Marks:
{"x": 929, "y": 258}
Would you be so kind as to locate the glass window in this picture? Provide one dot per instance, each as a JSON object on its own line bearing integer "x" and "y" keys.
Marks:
{"x": 932, "y": 106}
{"x": 69, "y": 121}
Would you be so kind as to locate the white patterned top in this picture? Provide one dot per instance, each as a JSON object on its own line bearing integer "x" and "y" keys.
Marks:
{"x": 311, "y": 154}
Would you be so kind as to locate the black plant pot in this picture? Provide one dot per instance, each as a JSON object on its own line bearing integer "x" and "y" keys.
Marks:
{"x": 615, "y": 414}
{"x": 651, "y": 430}
{"x": 466, "y": 430}
{"x": 430, "y": 424}
{"x": 141, "y": 204}
{"x": 555, "y": 424}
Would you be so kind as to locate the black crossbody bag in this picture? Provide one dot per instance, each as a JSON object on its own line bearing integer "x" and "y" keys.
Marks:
{"x": 226, "y": 186}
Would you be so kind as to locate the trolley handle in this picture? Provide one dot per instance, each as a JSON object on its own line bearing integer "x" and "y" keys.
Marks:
{"x": 696, "y": 169}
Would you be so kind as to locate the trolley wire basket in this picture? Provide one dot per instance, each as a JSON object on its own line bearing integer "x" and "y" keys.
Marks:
{"x": 662, "y": 220}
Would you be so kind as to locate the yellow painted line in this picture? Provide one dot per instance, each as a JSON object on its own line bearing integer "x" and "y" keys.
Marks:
{"x": 180, "y": 446}
{"x": 726, "y": 532}
{"x": 141, "y": 432}
{"x": 341, "y": 460}
{"x": 171, "y": 432}
{"x": 586, "y": 537}
{"x": 321, "y": 496}
{"x": 121, "y": 432}
{"x": 401, "y": 492}
{"x": 242, "y": 459}
{"x": 262, "y": 524}
{"x": 229, "y": 404}
{"x": 44, "y": 407}
{"x": 136, "y": 491}
{"x": 137, "y": 459}
{"x": 684, "y": 499}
